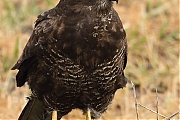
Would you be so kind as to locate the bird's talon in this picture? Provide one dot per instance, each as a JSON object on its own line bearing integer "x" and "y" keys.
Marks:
{"x": 54, "y": 115}
{"x": 88, "y": 114}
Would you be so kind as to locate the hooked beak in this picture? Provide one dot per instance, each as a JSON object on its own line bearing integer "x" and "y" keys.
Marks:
{"x": 114, "y": 0}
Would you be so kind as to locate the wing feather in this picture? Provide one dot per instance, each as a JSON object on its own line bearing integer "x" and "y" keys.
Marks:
{"x": 36, "y": 45}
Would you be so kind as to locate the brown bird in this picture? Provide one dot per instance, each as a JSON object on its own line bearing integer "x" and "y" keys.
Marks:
{"x": 74, "y": 59}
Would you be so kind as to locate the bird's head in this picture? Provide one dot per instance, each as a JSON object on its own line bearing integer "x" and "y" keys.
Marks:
{"x": 100, "y": 5}
{"x": 104, "y": 5}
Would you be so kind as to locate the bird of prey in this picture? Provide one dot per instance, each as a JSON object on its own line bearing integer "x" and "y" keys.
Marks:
{"x": 74, "y": 59}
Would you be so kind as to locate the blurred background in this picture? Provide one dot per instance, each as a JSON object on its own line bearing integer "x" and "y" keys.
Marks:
{"x": 152, "y": 28}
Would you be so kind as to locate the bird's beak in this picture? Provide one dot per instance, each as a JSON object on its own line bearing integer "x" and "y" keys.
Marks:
{"x": 114, "y": 0}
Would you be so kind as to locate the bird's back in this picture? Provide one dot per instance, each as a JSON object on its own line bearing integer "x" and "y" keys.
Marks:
{"x": 75, "y": 57}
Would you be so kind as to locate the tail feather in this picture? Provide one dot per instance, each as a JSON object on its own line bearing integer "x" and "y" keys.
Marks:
{"x": 35, "y": 110}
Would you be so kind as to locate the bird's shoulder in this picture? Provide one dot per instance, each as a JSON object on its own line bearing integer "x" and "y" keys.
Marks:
{"x": 39, "y": 38}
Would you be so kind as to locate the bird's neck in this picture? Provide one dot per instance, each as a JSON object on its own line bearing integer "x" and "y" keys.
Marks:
{"x": 99, "y": 6}
{"x": 103, "y": 5}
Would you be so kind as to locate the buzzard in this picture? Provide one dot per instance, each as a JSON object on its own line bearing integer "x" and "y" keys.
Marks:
{"x": 74, "y": 59}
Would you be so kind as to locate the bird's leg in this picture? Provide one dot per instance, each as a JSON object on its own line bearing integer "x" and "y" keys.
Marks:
{"x": 88, "y": 114}
{"x": 54, "y": 115}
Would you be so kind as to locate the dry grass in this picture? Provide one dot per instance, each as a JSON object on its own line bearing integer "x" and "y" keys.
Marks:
{"x": 153, "y": 38}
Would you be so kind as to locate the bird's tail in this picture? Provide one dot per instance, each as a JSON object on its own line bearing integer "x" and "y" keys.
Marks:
{"x": 35, "y": 110}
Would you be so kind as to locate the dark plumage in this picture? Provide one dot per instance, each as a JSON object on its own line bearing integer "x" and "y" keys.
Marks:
{"x": 74, "y": 58}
